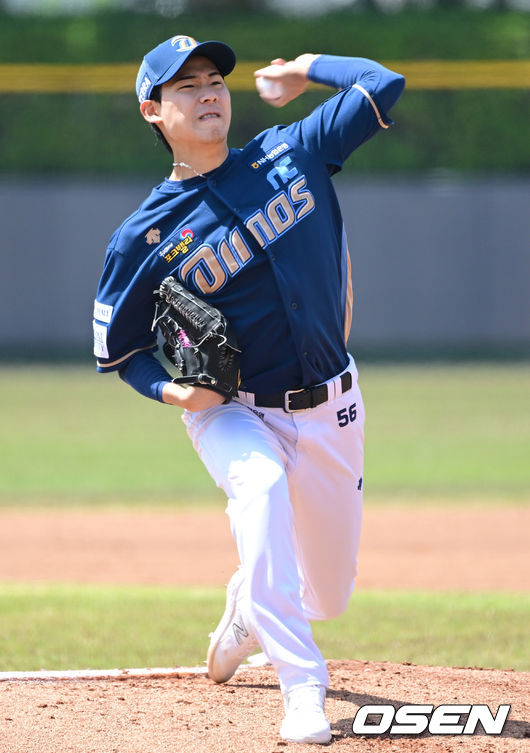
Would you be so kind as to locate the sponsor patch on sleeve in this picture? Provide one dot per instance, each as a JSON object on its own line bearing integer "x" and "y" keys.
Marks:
{"x": 102, "y": 312}
{"x": 100, "y": 341}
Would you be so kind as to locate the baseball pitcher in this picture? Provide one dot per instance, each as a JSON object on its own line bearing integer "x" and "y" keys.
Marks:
{"x": 239, "y": 260}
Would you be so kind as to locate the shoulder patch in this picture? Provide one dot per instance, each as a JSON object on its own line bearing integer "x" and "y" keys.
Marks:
{"x": 102, "y": 312}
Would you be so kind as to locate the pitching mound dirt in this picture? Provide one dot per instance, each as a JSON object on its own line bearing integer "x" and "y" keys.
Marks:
{"x": 189, "y": 713}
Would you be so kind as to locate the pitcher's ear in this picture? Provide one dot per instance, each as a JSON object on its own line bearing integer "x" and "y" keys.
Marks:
{"x": 150, "y": 111}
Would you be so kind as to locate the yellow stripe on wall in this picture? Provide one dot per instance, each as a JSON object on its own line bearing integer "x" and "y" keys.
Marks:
{"x": 464, "y": 74}
{"x": 121, "y": 77}
{"x": 431, "y": 74}
{"x": 52, "y": 78}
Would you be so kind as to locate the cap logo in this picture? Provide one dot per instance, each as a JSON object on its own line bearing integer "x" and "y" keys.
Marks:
{"x": 183, "y": 43}
{"x": 146, "y": 83}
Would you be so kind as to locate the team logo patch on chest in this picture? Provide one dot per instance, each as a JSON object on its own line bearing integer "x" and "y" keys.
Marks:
{"x": 182, "y": 243}
{"x": 152, "y": 236}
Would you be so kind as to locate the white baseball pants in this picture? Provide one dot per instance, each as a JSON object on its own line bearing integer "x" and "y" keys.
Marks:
{"x": 294, "y": 488}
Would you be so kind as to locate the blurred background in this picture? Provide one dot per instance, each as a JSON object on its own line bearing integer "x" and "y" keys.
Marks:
{"x": 436, "y": 209}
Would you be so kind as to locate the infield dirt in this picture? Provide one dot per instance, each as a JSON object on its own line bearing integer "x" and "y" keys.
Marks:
{"x": 440, "y": 548}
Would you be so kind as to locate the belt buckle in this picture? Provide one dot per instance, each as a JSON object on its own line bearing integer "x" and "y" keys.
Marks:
{"x": 286, "y": 405}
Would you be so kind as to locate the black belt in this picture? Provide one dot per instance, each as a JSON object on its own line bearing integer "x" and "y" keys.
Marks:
{"x": 306, "y": 397}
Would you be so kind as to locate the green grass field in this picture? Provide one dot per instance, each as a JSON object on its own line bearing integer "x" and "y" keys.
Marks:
{"x": 452, "y": 434}
{"x": 433, "y": 433}
{"x": 64, "y": 627}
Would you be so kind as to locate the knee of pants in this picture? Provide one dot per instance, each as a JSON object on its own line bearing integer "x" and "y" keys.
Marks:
{"x": 331, "y": 602}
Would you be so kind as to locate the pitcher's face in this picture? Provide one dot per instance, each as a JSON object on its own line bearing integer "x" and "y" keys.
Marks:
{"x": 195, "y": 105}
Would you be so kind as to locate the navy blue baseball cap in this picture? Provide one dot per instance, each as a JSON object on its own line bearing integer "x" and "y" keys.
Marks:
{"x": 161, "y": 64}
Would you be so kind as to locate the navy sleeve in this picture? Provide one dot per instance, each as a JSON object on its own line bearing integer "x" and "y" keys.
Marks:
{"x": 144, "y": 373}
{"x": 356, "y": 113}
{"x": 384, "y": 85}
{"x": 124, "y": 309}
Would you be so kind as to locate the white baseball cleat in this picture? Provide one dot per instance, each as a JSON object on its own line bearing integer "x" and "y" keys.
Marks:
{"x": 233, "y": 639}
{"x": 305, "y": 720}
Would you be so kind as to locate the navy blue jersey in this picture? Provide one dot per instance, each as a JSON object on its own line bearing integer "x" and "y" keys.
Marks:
{"x": 261, "y": 237}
